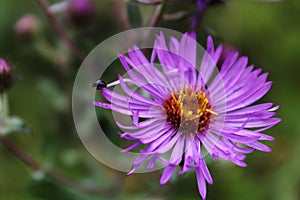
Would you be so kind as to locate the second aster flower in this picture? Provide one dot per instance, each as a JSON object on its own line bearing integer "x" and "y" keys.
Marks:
{"x": 186, "y": 112}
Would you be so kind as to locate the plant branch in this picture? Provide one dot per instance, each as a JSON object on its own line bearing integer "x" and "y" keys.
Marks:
{"x": 12, "y": 148}
{"x": 35, "y": 166}
{"x": 60, "y": 31}
{"x": 120, "y": 15}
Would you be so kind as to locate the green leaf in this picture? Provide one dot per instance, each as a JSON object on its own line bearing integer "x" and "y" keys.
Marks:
{"x": 16, "y": 124}
{"x": 48, "y": 190}
{"x": 54, "y": 94}
{"x": 134, "y": 14}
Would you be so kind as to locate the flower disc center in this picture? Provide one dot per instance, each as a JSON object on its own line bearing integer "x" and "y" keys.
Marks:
{"x": 189, "y": 110}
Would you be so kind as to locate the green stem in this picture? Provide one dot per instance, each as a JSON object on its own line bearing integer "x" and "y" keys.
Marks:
{"x": 6, "y": 106}
{"x": 35, "y": 166}
{"x": 4, "y": 110}
{"x": 158, "y": 14}
{"x": 1, "y": 111}
{"x": 66, "y": 39}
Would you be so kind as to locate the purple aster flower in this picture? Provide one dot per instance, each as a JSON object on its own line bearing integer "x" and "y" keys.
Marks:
{"x": 177, "y": 110}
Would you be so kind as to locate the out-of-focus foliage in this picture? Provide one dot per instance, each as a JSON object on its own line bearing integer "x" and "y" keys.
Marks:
{"x": 267, "y": 32}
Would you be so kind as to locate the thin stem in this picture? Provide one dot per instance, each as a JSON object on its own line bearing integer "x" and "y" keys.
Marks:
{"x": 120, "y": 15}
{"x": 150, "y": 2}
{"x": 60, "y": 31}
{"x": 5, "y": 106}
{"x": 158, "y": 14}
{"x": 175, "y": 16}
{"x": 12, "y": 148}
{"x": 34, "y": 165}
{"x": 1, "y": 110}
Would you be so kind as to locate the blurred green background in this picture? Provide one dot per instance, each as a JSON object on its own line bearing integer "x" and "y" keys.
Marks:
{"x": 269, "y": 33}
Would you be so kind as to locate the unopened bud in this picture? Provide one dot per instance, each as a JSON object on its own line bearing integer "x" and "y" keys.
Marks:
{"x": 5, "y": 76}
{"x": 81, "y": 11}
{"x": 27, "y": 26}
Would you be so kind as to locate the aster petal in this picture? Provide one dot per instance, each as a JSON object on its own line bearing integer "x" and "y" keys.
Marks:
{"x": 253, "y": 95}
{"x": 177, "y": 153}
{"x": 205, "y": 171}
{"x": 240, "y": 138}
{"x": 214, "y": 87}
{"x": 235, "y": 73}
{"x": 144, "y": 132}
{"x": 250, "y": 109}
{"x": 150, "y": 137}
{"x": 146, "y": 69}
{"x": 257, "y": 82}
{"x": 249, "y": 133}
{"x": 187, "y": 53}
{"x": 125, "y": 111}
{"x": 138, "y": 162}
{"x": 125, "y": 100}
{"x": 174, "y": 45}
{"x": 163, "y": 53}
{"x": 256, "y": 124}
{"x": 166, "y": 146}
{"x": 140, "y": 125}
{"x": 139, "y": 79}
{"x": 188, "y": 155}
{"x": 209, "y": 61}
{"x": 242, "y": 85}
{"x": 167, "y": 174}
{"x": 267, "y": 127}
{"x": 253, "y": 117}
{"x": 131, "y": 147}
{"x": 238, "y": 148}
{"x": 161, "y": 141}
{"x": 218, "y": 86}
{"x": 201, "y": 183}
{"x": 188, "y": 48}
{"x": 260, "y": 146}
{"x": 134, "y": 94}
{"x": 152, "y": 161}
{"x": 214, "y": 149}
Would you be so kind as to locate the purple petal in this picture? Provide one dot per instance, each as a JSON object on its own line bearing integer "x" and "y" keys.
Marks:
{"x": 167, "y": 174}
{"x": 205, "y": 171}
{"x": 177, "y": 153}
{"x": 259, "y": 146}
{"x": 131, "y": 147}
{"x": 201, "y": 183}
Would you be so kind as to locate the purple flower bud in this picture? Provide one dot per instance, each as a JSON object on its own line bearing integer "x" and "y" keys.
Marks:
{"x": 81, "y": 11}
{"x": 27, "y": 26}
{"x": 5, "y": 76}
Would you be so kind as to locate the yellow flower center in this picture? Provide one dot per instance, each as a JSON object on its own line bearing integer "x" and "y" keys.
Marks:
{"x": 189, "y": 110}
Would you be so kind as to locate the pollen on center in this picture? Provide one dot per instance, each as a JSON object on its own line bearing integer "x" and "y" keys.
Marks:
{"x": 189, "y": 110}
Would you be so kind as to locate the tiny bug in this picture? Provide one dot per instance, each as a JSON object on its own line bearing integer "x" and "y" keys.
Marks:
{"x": 99, "y": 84}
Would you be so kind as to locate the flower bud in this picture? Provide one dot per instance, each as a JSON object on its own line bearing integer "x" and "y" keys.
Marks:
{"x": 81, "y": 11}
{"x": 27, "y": 26}
{"x": 5, "y": 76}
